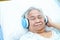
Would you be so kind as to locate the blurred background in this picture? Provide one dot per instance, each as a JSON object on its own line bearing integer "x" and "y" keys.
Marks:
{"x": 11, "y": 11}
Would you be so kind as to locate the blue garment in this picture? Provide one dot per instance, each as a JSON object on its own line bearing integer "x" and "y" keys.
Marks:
{"x": 1, "y": 34}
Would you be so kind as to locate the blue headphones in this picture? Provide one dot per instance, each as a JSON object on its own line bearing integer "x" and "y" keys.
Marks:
{"x": 25, "y": 22}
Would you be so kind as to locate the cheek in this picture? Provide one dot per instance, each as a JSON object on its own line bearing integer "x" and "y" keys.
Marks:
{"x": 42, "y": 19}
{"x": 31, "y": 22}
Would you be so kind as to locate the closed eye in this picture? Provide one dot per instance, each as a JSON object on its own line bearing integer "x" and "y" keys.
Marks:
{"x": 39, "y": 16}
{"x": 32, "y": 18}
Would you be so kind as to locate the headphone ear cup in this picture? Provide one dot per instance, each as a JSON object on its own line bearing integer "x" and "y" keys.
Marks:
{"x": 46, "y": 19}
{"x": 24, "y": 22}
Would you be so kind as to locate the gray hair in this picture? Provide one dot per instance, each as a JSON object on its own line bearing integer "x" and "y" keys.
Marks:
{"x": 29, "y": 10}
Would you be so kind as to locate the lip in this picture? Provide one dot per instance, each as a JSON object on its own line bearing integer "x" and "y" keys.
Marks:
{"x": 38, "y": 24}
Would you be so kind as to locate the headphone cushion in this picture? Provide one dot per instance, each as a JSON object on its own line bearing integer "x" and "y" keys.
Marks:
{"x": 46, "y": 19}
{"x": 24, "y": 22}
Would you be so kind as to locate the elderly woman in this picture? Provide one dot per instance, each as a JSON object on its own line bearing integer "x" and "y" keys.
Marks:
{"x": 37, "y": 26}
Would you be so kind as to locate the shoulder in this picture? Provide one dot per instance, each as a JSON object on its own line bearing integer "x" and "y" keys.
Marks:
{"x": 56, "y": 32}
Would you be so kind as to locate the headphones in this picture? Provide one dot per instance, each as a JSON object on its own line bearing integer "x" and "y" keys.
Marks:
{"x": 25, "y": 22}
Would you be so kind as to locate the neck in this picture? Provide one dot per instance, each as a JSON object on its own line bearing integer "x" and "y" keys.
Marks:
{"x": 41, "y": 31}
{"x": 37, "y": 31}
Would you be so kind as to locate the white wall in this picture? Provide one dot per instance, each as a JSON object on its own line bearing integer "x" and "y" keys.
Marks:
{"x": 11, "y": 12}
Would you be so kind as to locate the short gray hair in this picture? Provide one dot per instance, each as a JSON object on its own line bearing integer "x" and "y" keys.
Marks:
{"x": 29, "y": 10}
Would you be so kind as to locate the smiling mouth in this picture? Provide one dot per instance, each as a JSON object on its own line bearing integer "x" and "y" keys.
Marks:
{"x": 38, "y": 24}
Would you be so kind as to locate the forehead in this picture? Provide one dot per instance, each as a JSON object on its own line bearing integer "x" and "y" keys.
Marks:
{"x": 34, "y": 13}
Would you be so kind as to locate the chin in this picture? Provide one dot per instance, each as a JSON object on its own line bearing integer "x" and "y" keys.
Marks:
{"x": 41, "y": 28}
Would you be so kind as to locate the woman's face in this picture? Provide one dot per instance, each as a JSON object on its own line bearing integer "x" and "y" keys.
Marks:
{"x": 36, "y": 20}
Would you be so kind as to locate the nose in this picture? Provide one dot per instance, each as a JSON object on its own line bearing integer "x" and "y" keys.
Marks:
{"x": 37, "y": 20}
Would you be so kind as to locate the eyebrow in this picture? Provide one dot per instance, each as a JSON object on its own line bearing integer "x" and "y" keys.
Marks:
{"x": 31, "y": 16}
{"x": 40, "y": 15}
{"x": 37, "y": 15}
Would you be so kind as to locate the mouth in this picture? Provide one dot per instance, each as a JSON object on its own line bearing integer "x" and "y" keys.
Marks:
{"x": 38, "y": 24}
